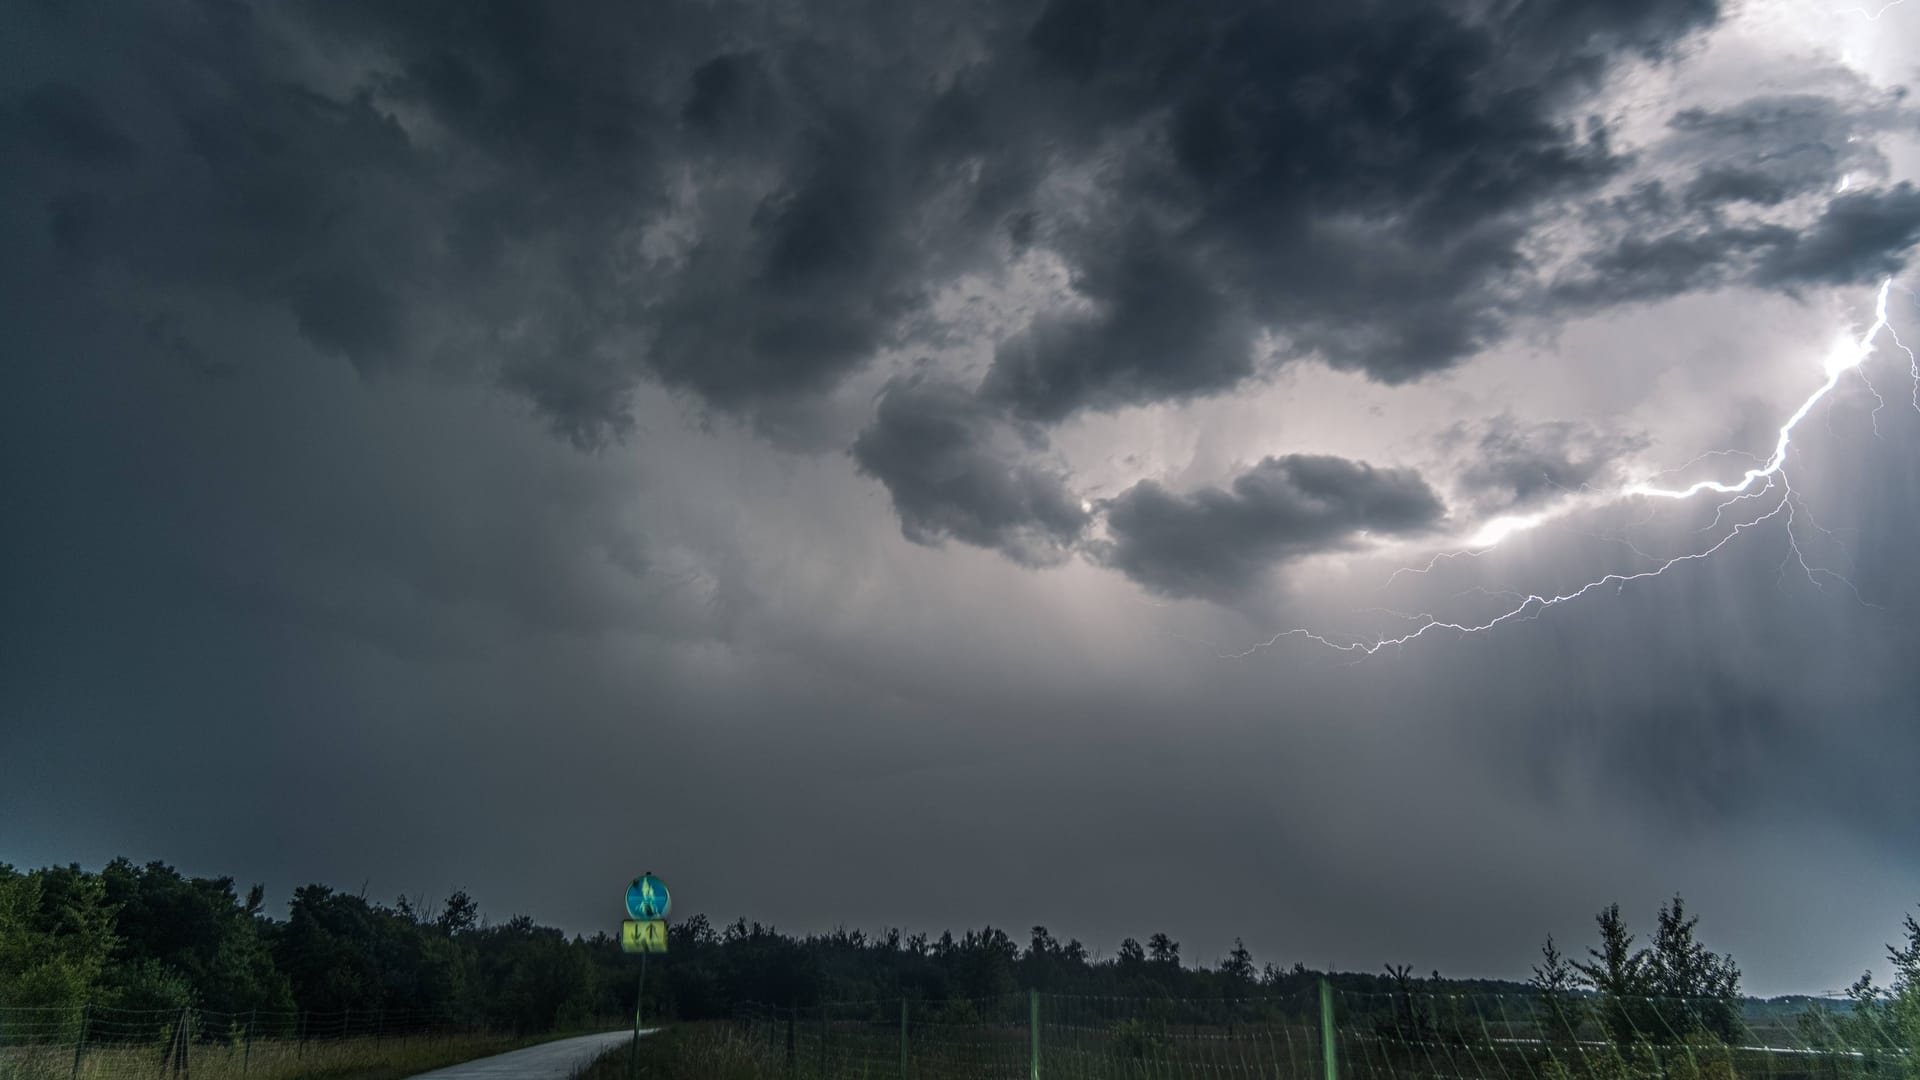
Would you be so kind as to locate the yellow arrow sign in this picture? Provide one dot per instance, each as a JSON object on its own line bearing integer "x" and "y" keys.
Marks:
{"x": 643, "y": 935}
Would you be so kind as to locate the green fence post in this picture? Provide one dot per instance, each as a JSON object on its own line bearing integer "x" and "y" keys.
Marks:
{"x": 1033, "y": 1034}
{"x": 903, "y": 1039}
{"x": 80, "y": 1044}
{"x": 1332, "y": 1066}
{"x": 186, "y": 1038}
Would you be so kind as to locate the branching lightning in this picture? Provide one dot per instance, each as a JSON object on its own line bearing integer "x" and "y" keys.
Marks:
{"x": 1872, "y": 16}
{"x": 1846, "y": 358}
{"x": 1766, "y": 484}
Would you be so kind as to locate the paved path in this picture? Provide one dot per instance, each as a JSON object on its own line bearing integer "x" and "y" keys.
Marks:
{"x": 557, "y": 1060}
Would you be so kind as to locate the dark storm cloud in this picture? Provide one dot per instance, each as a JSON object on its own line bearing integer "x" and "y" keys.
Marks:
{"x": 1858, "y": 237}
{"x": 64, "y": 120}
{"x": 1217, "y": 543}
{"x": 1861, "y": 236}
{"x": 1766, "y": 150}
{"x": 347, "y": 311}
{"x": 822, "y": 275}
{"x": 1162, "y": 332}
{"x": 1668, "y": 265}
{"x": 1355, "y": 178}
{"x": 1517, "y": 465}
{"x": 1738, "y": 164}
{"x": 477, "y": 185}
{"x": 570, "y": 200}
{"x": 956, "y": 469}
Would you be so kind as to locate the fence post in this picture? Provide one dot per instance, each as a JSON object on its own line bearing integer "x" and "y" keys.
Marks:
{"x": 823, "y": 1040}
{"x": 791, "y": 1013}
{"x": 346, "y": 1023}
{"x": 80, "y": 1045}
{"x": 300, "y": 1038}
{"x": 903, "y": 1039}
{"x": 246, "y": 1060}
{"x": 181, "y": 1066}
{"x": 1033, "y": 1034}
{"x": 1331, "y": 1063}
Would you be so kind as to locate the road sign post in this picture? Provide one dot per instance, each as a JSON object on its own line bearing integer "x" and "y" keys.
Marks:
{"x": 644, "y": 932}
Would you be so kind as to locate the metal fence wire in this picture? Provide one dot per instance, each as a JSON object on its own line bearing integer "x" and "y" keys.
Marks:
{"x": 1322, "y": 1034}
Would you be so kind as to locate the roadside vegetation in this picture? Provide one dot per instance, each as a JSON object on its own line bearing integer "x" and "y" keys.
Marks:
{"x": 335, "y": 1059}
{"x": 708, "y": 1050}
{"x": 147, "y": 963}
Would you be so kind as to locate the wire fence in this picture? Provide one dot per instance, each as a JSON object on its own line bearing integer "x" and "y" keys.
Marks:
{"x": 98, "y": 1041}
{"x": 1324, "y": 1034}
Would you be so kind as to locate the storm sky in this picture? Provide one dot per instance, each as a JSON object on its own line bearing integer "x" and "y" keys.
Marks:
{"x": 843, "y": 457}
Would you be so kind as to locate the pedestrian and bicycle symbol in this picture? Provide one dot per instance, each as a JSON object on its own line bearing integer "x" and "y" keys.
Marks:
{"x": 647, "y": 898}
{"x": 648, "y": 903}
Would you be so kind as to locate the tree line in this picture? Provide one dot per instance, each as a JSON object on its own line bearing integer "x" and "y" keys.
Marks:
{"x": 149, "y": 937}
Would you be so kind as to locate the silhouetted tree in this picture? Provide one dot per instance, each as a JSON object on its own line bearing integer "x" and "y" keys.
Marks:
{"x": 1238, "y": 968}
{"x": 1699, "y": 990}
{"x": 459, "y": 915}
{"x": 1555, "y": 980}
{"x": 1619, "y": 976}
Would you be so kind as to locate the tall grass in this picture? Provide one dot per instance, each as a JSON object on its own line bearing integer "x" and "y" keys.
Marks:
{"x": 710, "y": 1051}
{"x": 337, "y": 1059}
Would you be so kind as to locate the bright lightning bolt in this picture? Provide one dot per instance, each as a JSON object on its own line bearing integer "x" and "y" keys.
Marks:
{"x": 1528, "y": 608}
{"x": 1848, "y": 357}
{"x": 1767, "y": 478}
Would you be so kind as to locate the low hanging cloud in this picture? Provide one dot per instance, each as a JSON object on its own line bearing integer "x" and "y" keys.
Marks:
{"x": 1776, "y": 192}
{"x": 1162, "y": 331}
{"x": 1517, "y": 465}
{"x": 1772, "y": 148}
{"x": 1218, "y": 543}
{"x": 1859, "y": 237}
{"x": 957, "y": 469}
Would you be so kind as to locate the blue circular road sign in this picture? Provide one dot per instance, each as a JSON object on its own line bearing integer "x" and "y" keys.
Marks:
{"x": 647, "y": 898}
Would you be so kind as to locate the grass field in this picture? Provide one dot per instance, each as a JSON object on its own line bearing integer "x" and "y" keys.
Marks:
{"x": 340, "y": 1059}
{"x": 711, "y": 1051}
{"x": 733, "y": 1051}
